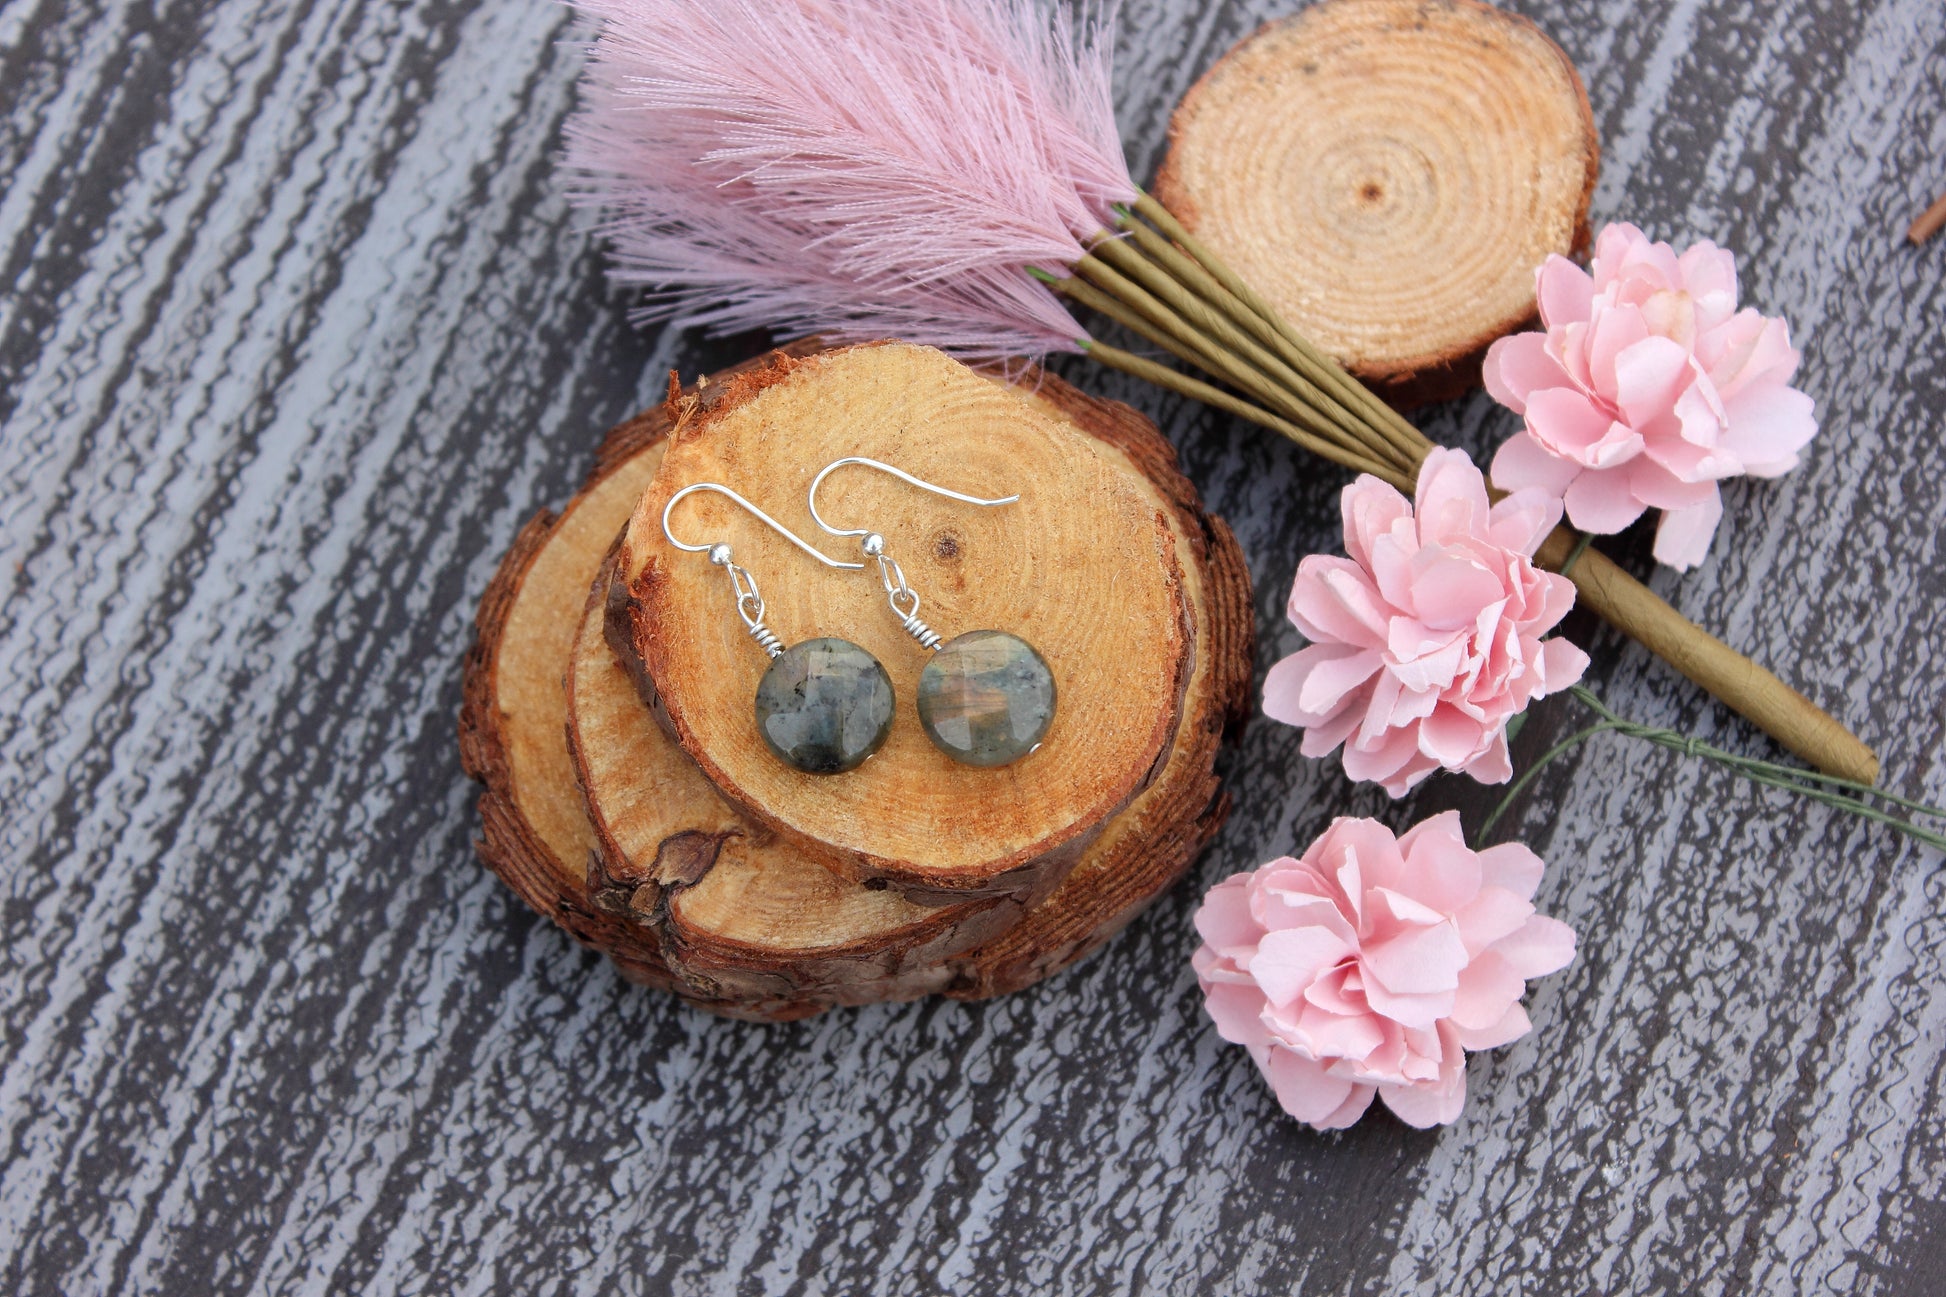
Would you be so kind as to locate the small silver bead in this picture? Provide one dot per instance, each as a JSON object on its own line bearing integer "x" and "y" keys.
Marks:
{"x": 874, "y": 545}
{"x": 719, "y": 554}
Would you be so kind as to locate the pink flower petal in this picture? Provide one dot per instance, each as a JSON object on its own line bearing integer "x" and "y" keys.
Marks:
{"x": 1307, "y": 686}
{"x": 1521, "y": 521}
{"x": 1308, "y": 1092}
{"x": 1649, "y": 376}
{"x": 1493, "y": 913}
{"x": 1334, "y": 600}
{"x": 1438, "y": 869}
{"x": 1541, "y": 946}
{"x": 1563, "y": 291}
{"x": 1518, "y": 365}
{"x": 1369, "y": 508}
{"x": 1613, "y": 246}
{"x": 1488, "y": 987}
{"x": 1331, "y": 993}
{"x": 1451, "y": 737}
{"x": 1523, "y": 464}
{"x": 1495, "y": 764}
{"x": 1561, "y": 664}
{"x": 1566, "y": 422}
{"x": 1421, "y": 1010}
{"x": 1224, "y": 919}
{"x": 1451, "y": 500}
{"x": 1655, "y": 486}
{"x": 1512, "y": 1026}
{"x": 1767, "y": 425}
{"x": 1321, "y": 738}
{"x": 1513, "y": 867}
{"x": 1236, "y": 1012}
{"x": 1612, "y": 333}
{"x": 1449, "y": 588}
{"x": 1750, "y": 350}
{"x": 1419, "y": 961}
{"x": 1389, "y": 762}
{"x": 1289, "y": 960}
{"x": 1709, "y": 275}
{"x": 1600, "y": 502}
{"x": 1683, "y": 537}
{"x": 1339, "y": 1035}
{"x": 1427, "y": 1105}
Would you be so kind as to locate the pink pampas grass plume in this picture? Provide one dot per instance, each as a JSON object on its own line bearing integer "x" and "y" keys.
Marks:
{"x": 860, "y": 168}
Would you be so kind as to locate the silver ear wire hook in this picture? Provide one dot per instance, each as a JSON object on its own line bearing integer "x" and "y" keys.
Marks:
{"x": 750, "y": 601}
{"x": 903, "y": 598}
{"x": 902, "y": 475}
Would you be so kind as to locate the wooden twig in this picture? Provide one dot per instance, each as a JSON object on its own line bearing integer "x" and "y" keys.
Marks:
{"x": 1929, "y": 223}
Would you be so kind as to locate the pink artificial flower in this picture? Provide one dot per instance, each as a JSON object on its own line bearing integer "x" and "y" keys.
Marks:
{"x": 1372, "y": 964}
{"x": 1647, "y": 388}
{"x": 1427, "y": 640}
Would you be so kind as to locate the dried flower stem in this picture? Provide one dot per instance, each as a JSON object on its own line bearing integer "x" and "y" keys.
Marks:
{"x": 1169, "y": 289}
{"x": 1842, "y": 794}
{"x": 1217, "y": 354}
{"x": 1197, "y": 390}
{"x": 1408, "y": 441}
{"x": 1216, "y": 325}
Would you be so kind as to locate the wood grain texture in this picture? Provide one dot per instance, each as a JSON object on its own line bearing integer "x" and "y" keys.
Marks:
{"x": 296, "y": 333}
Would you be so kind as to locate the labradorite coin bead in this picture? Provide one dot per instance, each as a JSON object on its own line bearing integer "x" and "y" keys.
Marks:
{"x": 986, "y": 698}
{"x": 824, "y": 706}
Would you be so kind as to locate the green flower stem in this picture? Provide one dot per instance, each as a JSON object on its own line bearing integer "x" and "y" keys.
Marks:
{"x": 1841, "y": 794}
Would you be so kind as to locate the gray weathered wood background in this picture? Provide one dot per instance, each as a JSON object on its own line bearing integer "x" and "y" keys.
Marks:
{"x": 296, "y": 331}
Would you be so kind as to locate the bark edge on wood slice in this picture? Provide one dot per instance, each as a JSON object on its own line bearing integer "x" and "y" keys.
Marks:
{"x": 1389, "y": 174}
{"x": 746, "y": 916}
{"x": 1081, "y": 567}
{"x": 535, "y": 833}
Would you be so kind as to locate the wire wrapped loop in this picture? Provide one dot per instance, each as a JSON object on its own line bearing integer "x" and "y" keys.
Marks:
{"x": 907, "y": 611}
{"x": 750, "y": 607}
{"x": 766, "y": 639}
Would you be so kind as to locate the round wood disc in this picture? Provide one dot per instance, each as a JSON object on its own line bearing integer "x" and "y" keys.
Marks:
{"x": 535, "y": 833}
{"x": 1389, "y": 174}
{"x": 1083, "y": 567}
{"x": 716, "y": 910}
{"x": 739, "y": 915}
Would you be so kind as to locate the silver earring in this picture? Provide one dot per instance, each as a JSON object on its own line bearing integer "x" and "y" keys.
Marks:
{"x": 824, "y": 705}
{"x": 987, "y": 697}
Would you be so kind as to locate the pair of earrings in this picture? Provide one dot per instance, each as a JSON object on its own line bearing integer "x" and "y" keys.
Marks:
{"x": 825, "y": 705}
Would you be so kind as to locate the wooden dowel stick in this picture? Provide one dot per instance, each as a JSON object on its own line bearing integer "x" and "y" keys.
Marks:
{"x": 1763, "y": 699}
{"x": 1929, "y": 223}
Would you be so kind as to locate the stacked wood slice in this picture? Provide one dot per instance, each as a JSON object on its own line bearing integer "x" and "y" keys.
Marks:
{"x": 1389, "y": 174}
{"x": 609, "y": 696}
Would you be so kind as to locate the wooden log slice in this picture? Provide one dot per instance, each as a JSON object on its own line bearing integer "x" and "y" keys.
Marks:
{"x": 741, "y": 916}
{"x": 739, "y": 912}
{"x": 1149, "y": 846}
{"x": 535, "y": 833}
{"x": 1083, "y": 567}
{"x": 1389, "y": 174}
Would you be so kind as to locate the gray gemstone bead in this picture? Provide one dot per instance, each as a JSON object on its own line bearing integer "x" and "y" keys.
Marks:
{"x": 986, "y": 698}
{"x": 824, "y": 706}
